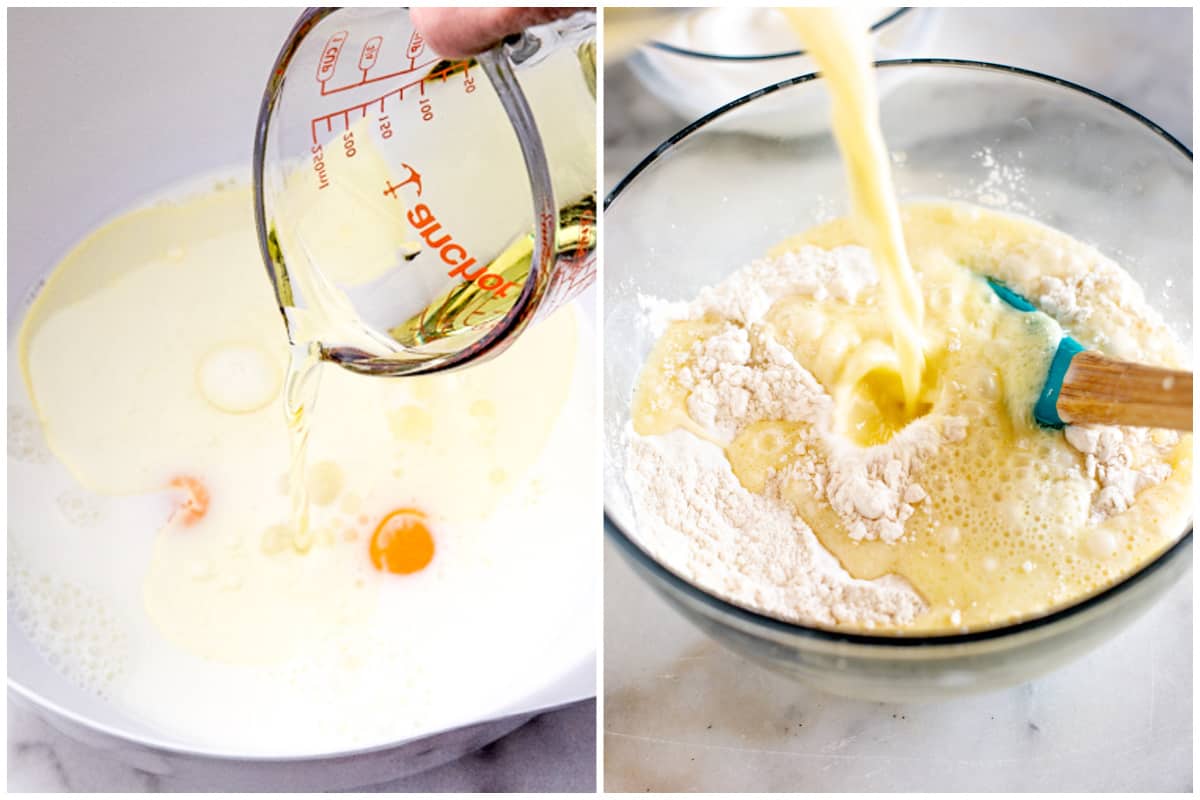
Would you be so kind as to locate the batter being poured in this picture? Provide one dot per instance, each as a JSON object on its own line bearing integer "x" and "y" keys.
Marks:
{"x": 841, "y": 433}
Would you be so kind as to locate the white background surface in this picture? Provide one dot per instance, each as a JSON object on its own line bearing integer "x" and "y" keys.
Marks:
{"x": 71, "y": 114}
{"x": 683, "y": 714}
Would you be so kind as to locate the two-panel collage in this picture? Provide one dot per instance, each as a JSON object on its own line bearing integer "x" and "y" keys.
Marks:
{"x": 600, "y": 399}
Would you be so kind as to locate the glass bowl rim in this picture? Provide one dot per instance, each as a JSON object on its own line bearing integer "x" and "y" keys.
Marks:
{"x": 636, "y": 553}
{"x": 876, "y": 26}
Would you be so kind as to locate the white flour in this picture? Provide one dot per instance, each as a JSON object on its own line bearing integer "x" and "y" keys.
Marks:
{"x": 697, "y": 518}
{"x": 1111, "y": 458}
{"x": 742, "y": 375}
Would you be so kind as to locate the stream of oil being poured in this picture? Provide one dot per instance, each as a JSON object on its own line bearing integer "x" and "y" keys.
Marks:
{"x": 325, "y": 262}
{"x": 330, "y": 329}
{"x": 300, "y": 396}
{"x": 457, "y": 317}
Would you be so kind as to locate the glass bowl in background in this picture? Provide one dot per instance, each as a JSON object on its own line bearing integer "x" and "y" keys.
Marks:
{"x": 711, "y": 56}
{"x": 710, "y": 200}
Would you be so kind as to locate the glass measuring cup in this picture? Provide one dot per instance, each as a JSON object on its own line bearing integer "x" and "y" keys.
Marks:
{"x": 417, "y": 213}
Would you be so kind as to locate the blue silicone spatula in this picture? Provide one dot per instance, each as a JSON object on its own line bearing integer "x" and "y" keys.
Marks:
{"x": 1084, "y": 387}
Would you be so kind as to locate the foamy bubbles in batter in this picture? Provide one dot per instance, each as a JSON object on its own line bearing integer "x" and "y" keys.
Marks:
{"x": 76, "y": 629}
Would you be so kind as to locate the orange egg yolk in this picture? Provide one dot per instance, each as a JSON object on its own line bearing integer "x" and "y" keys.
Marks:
{"x": 194, "y": 505}
{"x": 402, "y": 543}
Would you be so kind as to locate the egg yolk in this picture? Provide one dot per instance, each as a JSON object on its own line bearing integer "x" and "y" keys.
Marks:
{"x": 194, "y": 505}
{"x": 402, "y": 543}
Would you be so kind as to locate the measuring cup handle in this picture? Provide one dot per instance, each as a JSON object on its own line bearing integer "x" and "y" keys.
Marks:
{"x": 537, "y": 43}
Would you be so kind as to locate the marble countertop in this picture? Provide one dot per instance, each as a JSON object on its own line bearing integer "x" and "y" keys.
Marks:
{"x": 1141, "y": 57}
{"x": 555, "y": 751}
{"x": 683, "y": 714}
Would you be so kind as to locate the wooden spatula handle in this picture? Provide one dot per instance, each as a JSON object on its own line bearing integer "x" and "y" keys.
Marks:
{"x": 1101, "y": 390}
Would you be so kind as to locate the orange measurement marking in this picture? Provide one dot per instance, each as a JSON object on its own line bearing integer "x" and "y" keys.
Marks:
{"x": 344, "y": 113}
{"x": 414, "y": 178}
{"x": 364, "y": 80}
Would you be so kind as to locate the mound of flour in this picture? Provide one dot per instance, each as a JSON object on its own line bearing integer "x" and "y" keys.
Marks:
{"x": 696, "y": 517}
{"x": 694, "y": 514}
{"x": 742, "y": 375}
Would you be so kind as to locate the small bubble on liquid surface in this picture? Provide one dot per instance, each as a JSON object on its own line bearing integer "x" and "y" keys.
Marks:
{"x": 238, "y": 379}
{"x": 1100, "y": 544}
{"x": 482, "y": 408}
{"x": 410, "y": 422}
{"x": 325, "y": 480}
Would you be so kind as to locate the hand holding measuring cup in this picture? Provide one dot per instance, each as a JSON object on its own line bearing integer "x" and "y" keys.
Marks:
{"x": 418, "y": 212}
{"x": 463, "y": 32}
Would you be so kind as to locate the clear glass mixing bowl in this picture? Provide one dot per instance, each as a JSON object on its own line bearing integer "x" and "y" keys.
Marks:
{"x": 692, "y": 80}
{"x": 708, "y": 200}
